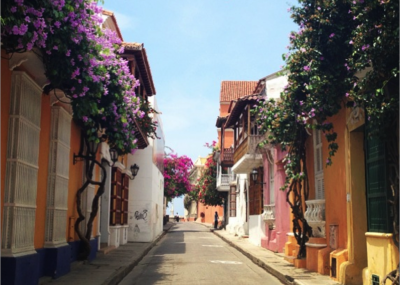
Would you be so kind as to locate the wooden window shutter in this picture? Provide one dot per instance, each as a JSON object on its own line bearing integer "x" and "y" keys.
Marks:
{"x": 116, "y": 193}
{"x": 124, "y": 199}
{"x": 232, "y": 202}
{"x": 379, "y": 219}
{"x": 256, "y": 195}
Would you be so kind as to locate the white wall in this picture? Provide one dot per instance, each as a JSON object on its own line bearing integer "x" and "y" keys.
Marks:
{"x": 146, "y": 193}
{"x": 256, "y": 229}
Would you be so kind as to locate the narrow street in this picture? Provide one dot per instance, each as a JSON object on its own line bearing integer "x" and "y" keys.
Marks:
{"x": 191, "y": 254}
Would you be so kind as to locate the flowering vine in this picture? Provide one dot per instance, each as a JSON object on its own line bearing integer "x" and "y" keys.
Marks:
{"x": 336, "y": 40}
{"x": 83, "y": 61}
{"x": 176, "y": 175}
{"x": 207, "y": 183}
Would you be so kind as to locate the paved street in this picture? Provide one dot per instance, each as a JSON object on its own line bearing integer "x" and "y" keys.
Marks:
{"x": 191, "y": 254}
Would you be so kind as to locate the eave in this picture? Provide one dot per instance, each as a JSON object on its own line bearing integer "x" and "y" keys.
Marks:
{"x": 142, "y": 141}
{"x": 239, "y": 106}
{"x": 138, "y": 52}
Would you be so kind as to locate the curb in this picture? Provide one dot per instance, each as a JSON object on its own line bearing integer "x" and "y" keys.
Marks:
{"x": 117, "y": 277}
{"x": 285, "y": 279}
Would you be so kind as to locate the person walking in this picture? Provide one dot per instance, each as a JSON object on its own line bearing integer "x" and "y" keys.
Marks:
{"x": 216, "y": 220}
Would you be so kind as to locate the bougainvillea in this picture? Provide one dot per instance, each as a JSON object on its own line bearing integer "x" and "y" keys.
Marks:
{"x": 336, "y": 40}
{"x": 206, "y": 186}
{"x": 176, "y": 175}
{"x": 83, "y": 61}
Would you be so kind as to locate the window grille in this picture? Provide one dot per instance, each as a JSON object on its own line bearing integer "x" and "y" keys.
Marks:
{"x": 318, "y": 166}
{"x": 271, "y": 184}
{"x": 20, "y": 186}
{"x": 58, "y": 176}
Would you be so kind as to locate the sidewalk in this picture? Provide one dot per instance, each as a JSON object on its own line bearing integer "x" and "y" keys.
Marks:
{"x": 107, "y": 269}
{"x": 273, "y": 262}
{"x": 111, "y": 268}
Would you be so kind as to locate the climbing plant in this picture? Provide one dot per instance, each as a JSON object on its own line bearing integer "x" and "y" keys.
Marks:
{"x": 335, "y": 42}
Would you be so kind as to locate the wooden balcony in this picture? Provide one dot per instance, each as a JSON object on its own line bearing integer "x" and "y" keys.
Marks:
{"x": 248, "y": 146}
{"x": 227, "y": 157}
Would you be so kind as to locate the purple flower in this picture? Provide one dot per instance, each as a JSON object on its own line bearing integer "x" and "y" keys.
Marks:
{"x": 306, "y": 68}
{"x": 57, "y": 24}
{"x": 364, "y": 47}
{"x": 15, "y": 30}
{"x": 351, "y": 42}
{"x": 321, "y": 58}
{"x": 55, "y": 47}
{"x": 332, "y": 35}
{"x": 68, "y": 53}
{"x": 347, "y": 94}
{"x": 13, "y": 9}
{"x": 319, "y": 8}
{"x": 85, "y": 119}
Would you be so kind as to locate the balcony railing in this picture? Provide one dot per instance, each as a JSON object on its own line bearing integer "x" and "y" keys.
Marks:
{"x": 315, "y": 216}
{"x": 269, "y": 215}
{"x": 223, "y": 181}
{"x": 248, "y": 146}
{"x": 227, "y": 156}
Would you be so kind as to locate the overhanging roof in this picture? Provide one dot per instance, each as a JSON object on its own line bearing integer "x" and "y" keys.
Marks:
{"x": 220, "y": 121}
{"x": 241, "y": 103}
{"x": 139, "y": 52}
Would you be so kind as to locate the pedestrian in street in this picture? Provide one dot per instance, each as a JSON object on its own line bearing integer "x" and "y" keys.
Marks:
{"x": 177, "y": 218}
{"x": 216, "y": 220}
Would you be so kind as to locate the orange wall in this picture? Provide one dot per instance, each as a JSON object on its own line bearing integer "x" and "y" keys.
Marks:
{"x": 5, "y": 113}
{"x": 209, "y": 212}
{"x": 223, "y": 109}
{"x": 335, "y": 181}
{"x": 44, "y": 147}
{"x": 75, "y": 180}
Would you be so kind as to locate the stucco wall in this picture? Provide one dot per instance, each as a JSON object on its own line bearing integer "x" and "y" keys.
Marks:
{"x": 146, "y": 194}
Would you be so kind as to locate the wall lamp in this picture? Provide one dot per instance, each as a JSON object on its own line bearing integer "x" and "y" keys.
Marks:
{"x": 134, "y": 170}
{"x": 113, "y": 155}
{"x": 254, "y": 177}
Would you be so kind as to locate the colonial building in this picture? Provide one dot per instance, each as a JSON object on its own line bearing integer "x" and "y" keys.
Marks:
{"x": 43, "y": 173}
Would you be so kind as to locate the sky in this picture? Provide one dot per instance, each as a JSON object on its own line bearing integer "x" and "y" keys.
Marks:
{"x": 193, "y": 45}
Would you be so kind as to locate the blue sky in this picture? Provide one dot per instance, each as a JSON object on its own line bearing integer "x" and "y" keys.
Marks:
{"x": 193, "y": 45}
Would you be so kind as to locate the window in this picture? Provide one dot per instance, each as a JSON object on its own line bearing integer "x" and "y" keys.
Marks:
{"x": 116, "y": 191}
{"x": 119, "y": 197}
{"x": 318, "y": 166}
{"x": 232, "y": 202}
{"x": 271, "y": 184}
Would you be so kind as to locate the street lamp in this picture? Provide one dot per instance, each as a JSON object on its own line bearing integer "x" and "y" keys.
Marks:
{"x": 134, "y": 170}
{"x": 254, "y": 176}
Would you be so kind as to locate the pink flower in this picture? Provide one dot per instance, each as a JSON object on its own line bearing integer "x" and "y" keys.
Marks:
{"x": 85, "y": 119}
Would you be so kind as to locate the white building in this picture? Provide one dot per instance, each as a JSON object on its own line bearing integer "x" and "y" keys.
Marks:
{"x": 146, "y": 191}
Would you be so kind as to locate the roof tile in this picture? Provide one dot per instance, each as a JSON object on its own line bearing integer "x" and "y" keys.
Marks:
{"x": 231, "y": 90}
